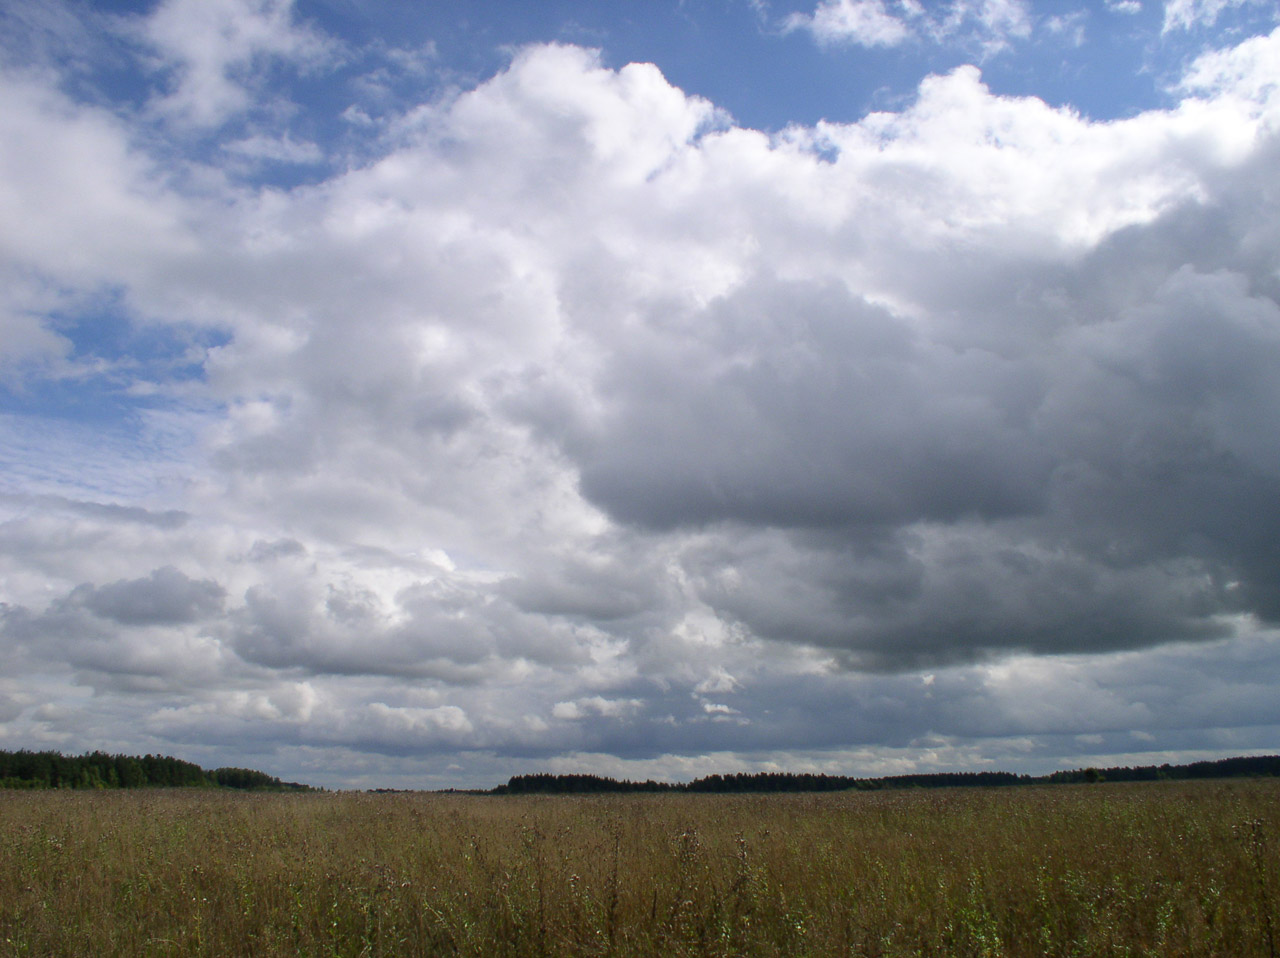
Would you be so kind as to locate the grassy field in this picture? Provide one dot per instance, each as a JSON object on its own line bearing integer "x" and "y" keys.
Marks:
{"x": 1156, "y": 869}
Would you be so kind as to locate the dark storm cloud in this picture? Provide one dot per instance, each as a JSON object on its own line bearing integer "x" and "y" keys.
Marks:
{"x": 1104, "y": 477}
{"x": 797, "y": 404}
{"x": 940, "y": 596}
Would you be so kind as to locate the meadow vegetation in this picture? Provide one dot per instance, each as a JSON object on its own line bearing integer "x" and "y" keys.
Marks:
{"x": 1168, "y": 868}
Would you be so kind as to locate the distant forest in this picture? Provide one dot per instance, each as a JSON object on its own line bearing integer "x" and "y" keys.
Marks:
{"x": 25, "y": 769}
{"x": 99, "y": 770}
{"x": 1266, "y": 765}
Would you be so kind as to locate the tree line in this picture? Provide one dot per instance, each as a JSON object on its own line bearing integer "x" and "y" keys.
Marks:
{"x": 548, "y": 784}
{"x": 26, "y": 769}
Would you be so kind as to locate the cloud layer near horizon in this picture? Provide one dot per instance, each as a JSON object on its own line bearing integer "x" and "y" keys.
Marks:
{"x": 577, "y": 419}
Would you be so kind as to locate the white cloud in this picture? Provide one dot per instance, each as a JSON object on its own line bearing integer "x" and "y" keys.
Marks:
{"x": 597, "y": 706}
{"x": 214, "y": 49}
{"x": 998, "y": 21}
{"x": 866, "y": 23}
{"x": 78, "y": 203}
{"x": 1071, "y": 26}
{"x": 1196, "y": 14}
{"x": 988, "y": 25}
{"x": 1248, "y": 74}
{"x": 283, "y": 149}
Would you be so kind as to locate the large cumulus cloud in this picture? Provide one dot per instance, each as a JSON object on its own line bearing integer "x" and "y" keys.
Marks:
{"x": 581, "y": 420}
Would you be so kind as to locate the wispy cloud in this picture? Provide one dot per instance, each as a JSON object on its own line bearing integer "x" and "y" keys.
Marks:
{"x": 1195, "y": 14}
{"x": 990, "y": 24}
{"x": 216, "y": 51}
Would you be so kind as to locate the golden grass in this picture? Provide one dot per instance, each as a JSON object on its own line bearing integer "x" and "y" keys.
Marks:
{"x": 1154, "y": 869}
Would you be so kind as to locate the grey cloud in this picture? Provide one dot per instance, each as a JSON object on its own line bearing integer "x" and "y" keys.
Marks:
{"x": 433, "y": 629}
{"x": 23, "y": 629}
{"x": 608, "y": 581}
{"x": 113, "y": 512}
{"x": 166, "y": 597}
{"x": 796, "y": 404}
{"x": 1164, "y": 414}
{"x": 579, "y": 594}
{"x": 142, "y": 655}
{"x": 10, "y": 708}
{"x": 264, "y": 550}
{"x": 1109, "y": 485}
{"x": 936, "y": 596}
{"x": 1042, "y": 699}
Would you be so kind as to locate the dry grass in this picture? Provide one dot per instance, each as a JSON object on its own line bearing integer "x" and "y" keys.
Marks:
{"x": 1157, "y": 869}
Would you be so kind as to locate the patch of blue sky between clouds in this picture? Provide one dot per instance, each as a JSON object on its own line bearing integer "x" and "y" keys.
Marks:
{"x": 115, "y": 417}
{"x": 144, "y": 460}
{"x": 114, "y": 368}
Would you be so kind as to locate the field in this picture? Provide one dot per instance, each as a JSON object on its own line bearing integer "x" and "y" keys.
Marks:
{"x": 1111, "y": 869}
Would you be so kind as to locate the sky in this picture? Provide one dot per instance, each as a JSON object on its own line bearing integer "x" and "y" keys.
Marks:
{"x": 411, "y": 394}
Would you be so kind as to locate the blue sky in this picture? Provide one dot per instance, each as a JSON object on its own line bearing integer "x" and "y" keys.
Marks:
{"x": 409, "y": 394}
